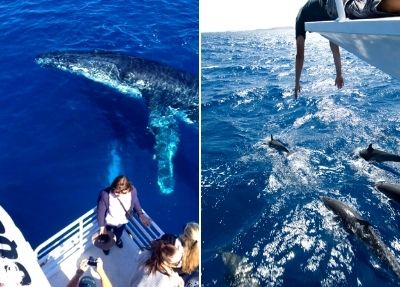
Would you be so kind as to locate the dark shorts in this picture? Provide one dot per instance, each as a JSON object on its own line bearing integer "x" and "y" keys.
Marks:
{"x": 312, "y": 11}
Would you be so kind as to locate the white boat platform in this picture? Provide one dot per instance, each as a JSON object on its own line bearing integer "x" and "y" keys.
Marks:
{"x": 375, "y": 41}
{"x": 59, "y": 256}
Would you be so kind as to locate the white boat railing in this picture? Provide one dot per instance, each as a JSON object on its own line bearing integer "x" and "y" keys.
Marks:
{"x": 78, "y": 235}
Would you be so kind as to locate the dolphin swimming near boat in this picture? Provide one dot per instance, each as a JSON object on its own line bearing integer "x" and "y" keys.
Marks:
{"x": 276, "y": 144}
{"x": 363, "y": 229}
{"x": 238, "y": 271}
{"x": 170, "y": 94}
{"x": 377, "y": 155}
{"x": 390, "y": 190}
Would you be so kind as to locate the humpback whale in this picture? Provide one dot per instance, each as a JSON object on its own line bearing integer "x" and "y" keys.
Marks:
{"x": 377, "y": 155}
{"x": 363, "y": 229}
{"x": 389, "y": 189}
{"x": 170, "y": 94}
{"x": 238, "y": 271}
{"x": 276, "y": 144}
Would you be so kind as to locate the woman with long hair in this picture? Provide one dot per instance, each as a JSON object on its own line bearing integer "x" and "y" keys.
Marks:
{"x": 190, "y": 241}
{"x": 114, "y": 207}
{"x": 156, "y": 266}
{"x": 191, "y": 254}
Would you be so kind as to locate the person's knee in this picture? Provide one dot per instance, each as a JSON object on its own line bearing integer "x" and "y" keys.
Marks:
{"x": 390, "y": 6}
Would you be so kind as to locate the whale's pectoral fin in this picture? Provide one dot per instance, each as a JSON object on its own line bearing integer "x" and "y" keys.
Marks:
{"x": 164, "y": 126}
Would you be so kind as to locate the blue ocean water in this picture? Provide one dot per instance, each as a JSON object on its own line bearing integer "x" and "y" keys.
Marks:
{"x": 261, "y": 210}
{"x": 64, "y": 137}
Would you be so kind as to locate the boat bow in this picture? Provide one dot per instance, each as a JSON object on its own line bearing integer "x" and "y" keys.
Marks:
{"x": 375, "y": 41}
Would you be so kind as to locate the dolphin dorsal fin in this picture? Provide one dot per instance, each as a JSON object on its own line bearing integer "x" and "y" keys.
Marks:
{"x": 370, "y": 148}
{"x": 272, "y": 138}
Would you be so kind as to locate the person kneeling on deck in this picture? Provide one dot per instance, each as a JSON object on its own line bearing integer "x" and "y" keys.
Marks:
{"x": 114, "y": 207}
{"x": 312, "y": 11}
{"x": 88, "y": 281}
{"x": 364, "y": 9}
{"x": 325, "y": 10}
{"x": 156, "y": 266}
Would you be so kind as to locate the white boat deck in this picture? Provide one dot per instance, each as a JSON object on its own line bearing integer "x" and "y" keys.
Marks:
{"x": 375, "y": 41}
{"x": 59, "y": 257}
{"x": 119, "y": 264}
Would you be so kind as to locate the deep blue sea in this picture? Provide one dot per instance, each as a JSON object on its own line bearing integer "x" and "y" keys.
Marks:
{"x": 64, "y": 137}
{"x": 261, "y": 208}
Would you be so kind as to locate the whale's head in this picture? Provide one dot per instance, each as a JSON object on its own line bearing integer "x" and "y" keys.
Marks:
{"x": 80, "y": 61}
{"x": 58, "y": 60}
{"x": 101, "y": 67}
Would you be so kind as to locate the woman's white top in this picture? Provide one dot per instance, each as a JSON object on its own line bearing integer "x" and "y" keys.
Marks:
{"x": 116, "y": 213}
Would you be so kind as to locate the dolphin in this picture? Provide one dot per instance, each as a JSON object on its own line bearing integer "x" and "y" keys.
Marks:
{"x": 389, "y": 189}
{"x": 276, "y": 144}
{"x": 377, "y": 155}
{"x": 362, "y": 228}
{"x": 170, "y": 94}
{"x": 238, "y": 271}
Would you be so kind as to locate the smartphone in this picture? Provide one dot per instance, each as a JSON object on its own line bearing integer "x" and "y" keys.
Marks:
{"x": 92, "y": 261}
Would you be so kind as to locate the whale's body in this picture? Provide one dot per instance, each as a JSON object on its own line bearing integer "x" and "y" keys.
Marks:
{"x": 169, "y": 94}
{"x": 363, "y": 229}
{"x": 377, "y": 155}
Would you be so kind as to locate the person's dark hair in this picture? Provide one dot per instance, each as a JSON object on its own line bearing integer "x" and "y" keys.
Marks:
{"x": 161, "y": 252}
{"x": 87, "y": 281}
{"x": 120, "y": 183}
{"x": 169, "y": 238}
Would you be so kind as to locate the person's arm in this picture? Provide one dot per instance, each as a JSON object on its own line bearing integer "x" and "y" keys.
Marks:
{"x": 75, "y": 280}
{"x": 102, "y": 206}
{"x": 299, "y": 63}
{"x": 136, "y": 205}
{"x": 338, "y": 65}
{"x": 105, "y": 281}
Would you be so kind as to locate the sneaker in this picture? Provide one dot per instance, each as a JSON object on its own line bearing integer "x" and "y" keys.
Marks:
{"x": 106, "y": 252}
{"x": 119, "y": 243}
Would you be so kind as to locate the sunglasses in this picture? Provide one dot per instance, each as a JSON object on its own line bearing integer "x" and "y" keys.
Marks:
{"x": 121, "y": 191}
